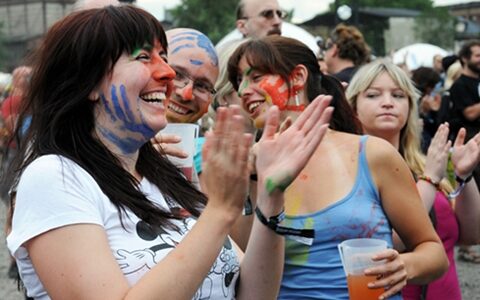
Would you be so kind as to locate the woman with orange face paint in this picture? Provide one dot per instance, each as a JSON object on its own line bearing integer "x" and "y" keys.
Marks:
{"x": 101, "y": 214}
{"x": 345, "y": 190}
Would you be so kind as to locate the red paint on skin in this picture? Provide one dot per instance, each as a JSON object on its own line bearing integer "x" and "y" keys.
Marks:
{"x": 279, "y": 98}
{"x": 300, "y": 107}
{"x": 187, "y": 92}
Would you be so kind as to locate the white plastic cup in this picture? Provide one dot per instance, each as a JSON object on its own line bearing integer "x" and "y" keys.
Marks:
{"x": 356, "y": 256}
{"x": 188, "y": 133}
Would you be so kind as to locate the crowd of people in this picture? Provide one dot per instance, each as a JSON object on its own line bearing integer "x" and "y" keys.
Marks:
{"x": 299, "y": 151}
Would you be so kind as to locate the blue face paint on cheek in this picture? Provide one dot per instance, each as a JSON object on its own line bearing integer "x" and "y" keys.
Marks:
{"x": 125, "y": 114}
{"x": 128, "y": 111}
{"x": 107, "y": 108}
{"x": 196, "y": 62}
{"x": 126, "y": 145}
{"x": 116, "y": 104}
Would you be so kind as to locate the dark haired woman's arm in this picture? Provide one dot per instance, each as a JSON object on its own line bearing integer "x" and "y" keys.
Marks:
{"x": 280, "y": 158}
{"x": 76, "y": 261}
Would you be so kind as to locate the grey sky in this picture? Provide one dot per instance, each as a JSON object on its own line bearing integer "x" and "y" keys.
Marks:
{"x": 304, "y": 9}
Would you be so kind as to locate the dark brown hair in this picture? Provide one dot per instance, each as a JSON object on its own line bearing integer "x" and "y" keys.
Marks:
{"x": 280, "y": 55}
{"x": 77, "y": 53}
{"x": 466, "y": 50}
{"x": 351, "y": 44}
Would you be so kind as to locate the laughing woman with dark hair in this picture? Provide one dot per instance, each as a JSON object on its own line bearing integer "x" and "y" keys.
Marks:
{"x": 100, "y": 214}
{"x": 353, "y": 186}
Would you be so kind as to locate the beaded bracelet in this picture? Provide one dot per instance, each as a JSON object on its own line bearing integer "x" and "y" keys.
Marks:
{"x": 428, "y": 179}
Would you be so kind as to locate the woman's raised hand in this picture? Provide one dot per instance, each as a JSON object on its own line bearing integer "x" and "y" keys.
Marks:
{"x": 437, "y": 154}
{"x": 281, "y": 157}
{"x": 225, "y": 154}
{"x": 465, "y": 157}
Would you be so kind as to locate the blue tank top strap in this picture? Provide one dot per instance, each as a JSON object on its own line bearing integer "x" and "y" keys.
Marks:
{"x": 363, "y": 169}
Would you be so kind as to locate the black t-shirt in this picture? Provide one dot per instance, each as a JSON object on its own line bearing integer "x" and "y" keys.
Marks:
{"x": 464, "y": 93}
{"x": 346, "y": 74}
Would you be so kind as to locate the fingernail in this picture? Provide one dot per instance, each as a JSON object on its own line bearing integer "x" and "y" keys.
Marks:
{"x": 371, "y": 285}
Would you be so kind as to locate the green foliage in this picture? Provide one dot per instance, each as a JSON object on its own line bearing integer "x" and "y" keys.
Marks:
{"x": 410, "y": 4}
{"x": 436, "y": 26}
{"x": 213, "y": 17}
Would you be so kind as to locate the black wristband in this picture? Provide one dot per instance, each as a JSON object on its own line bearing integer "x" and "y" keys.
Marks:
{"x": 248, "y": 207}
{"x": 273, "y": 222}
{"x": 463, "y": 181}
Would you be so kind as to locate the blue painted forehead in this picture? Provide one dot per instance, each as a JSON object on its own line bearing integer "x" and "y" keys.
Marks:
{"x": 193, "y": 39}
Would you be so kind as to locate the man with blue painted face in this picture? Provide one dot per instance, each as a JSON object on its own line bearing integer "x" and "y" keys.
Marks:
{"x": 258, "y": 19}
{"x": 192, "y": 55}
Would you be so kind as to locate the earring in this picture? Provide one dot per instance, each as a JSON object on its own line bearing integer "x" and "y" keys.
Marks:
{"x": 297, "y": 99}
{"x": 94, "y": 96}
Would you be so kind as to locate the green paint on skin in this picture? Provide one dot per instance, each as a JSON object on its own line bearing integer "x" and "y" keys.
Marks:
{"x": 137, "y": 51}
{"x": 245, "y": 82}
{"x": 272, "y": 185}
{"x": 242, "y": 88}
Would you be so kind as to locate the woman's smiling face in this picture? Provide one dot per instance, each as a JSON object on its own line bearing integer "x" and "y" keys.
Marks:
{"x": 259, "y": 91}
{"x": 133, "y": 98}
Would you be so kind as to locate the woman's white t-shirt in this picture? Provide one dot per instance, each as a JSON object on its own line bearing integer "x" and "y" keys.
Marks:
{"x": 54, "y": 191}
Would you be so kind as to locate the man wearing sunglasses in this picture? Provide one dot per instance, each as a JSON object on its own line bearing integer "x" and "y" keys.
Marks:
{"x": 257, "y": 19}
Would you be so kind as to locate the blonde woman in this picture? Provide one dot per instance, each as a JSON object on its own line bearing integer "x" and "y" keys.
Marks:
{"x": 385, "y": 101}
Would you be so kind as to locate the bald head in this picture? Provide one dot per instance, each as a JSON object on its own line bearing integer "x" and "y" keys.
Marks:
{"x": 88, "y": 4}
{"x": 193, "y": 57}
{"x": 182, "y": 39}
{"x": 258, "y": 19}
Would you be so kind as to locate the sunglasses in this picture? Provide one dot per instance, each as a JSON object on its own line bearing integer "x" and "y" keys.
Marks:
{"x": 327, "y": 46}
{"x": 269, "y": 14}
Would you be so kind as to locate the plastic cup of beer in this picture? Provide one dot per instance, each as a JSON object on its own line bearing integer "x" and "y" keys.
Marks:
{"x": 188, "y": 133}
{"x": 356, "y": 256}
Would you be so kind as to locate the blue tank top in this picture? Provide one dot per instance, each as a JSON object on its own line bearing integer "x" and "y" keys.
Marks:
{"x": 315, "y": 271}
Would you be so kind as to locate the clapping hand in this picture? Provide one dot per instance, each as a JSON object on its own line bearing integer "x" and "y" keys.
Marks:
{"x": 465, "y": 157}
{"x": 225, "y": 161}
{"x": 437, "y": 154}
{"x": 281, "y": 157}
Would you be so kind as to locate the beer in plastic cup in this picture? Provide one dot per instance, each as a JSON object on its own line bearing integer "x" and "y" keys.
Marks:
{"x": 356, "y": 256}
